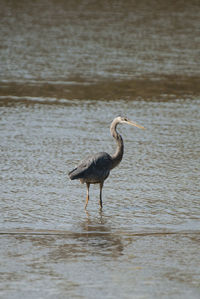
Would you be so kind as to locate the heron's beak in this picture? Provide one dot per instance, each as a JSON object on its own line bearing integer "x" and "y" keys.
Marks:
{"x": 130, "y": 122}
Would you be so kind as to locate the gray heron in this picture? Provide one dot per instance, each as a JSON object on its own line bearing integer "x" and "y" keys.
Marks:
{"x": 96, "y": 168}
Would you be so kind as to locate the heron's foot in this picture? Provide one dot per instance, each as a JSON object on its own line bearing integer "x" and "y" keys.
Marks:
{"x": 87, "y": 214}
{"x": 100, "y": 204}
{"x": 86, "y": 203}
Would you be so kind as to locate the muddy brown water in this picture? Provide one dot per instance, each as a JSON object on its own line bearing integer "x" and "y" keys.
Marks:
{"x": 67, "y": 69}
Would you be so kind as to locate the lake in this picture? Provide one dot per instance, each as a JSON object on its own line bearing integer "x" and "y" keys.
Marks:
{"x": 67, "y": 69}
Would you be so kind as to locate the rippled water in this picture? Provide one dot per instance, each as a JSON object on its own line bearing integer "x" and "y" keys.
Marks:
{"x": 67, "y": 69}
{"x": 145, "y": 242}
{"x": 49, "y": 47}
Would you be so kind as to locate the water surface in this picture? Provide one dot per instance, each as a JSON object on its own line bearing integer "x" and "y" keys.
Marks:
{"x": 145, "y": 242}
{"x": 67, "y": 69}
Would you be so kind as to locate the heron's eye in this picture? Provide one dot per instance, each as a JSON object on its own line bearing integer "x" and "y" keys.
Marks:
{"x": 125, "y": 119}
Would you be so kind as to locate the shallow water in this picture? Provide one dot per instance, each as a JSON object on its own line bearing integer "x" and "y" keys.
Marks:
{"x": 67, "y": 69}
{"x": 145, "y": 242}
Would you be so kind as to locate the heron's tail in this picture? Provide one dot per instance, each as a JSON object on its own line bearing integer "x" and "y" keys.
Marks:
{"x": 75, "y": 174}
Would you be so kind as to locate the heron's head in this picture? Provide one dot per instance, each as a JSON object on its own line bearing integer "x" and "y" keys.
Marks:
{"x": 125, "y": 120}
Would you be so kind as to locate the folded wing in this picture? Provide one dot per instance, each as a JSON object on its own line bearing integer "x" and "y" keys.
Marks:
{"x": 93, "y": 169}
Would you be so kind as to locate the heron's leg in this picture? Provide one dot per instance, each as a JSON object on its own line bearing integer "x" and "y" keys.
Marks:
{"x": 100, "y": 200}
{"x": 87, "y": 198}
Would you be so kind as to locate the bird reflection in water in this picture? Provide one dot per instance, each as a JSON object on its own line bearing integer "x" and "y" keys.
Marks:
{"x": 92, "y": 237}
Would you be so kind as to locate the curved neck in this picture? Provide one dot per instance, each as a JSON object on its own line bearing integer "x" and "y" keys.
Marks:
{"x": 117, "y": 157}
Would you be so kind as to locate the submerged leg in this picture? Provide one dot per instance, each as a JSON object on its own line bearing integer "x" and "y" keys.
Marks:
{"x": 87, "y": 198}
{"x": 100, "y": 200}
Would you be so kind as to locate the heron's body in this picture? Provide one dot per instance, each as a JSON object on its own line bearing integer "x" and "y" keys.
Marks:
{"x": 96, "y": 168}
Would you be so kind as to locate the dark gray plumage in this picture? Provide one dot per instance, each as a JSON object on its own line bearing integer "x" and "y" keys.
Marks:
{"x": 93, "y": 169}
{"x": 96, "y": 168}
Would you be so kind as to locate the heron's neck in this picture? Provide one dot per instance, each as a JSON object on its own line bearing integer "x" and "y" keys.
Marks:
{"x": 117, "y": 157}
